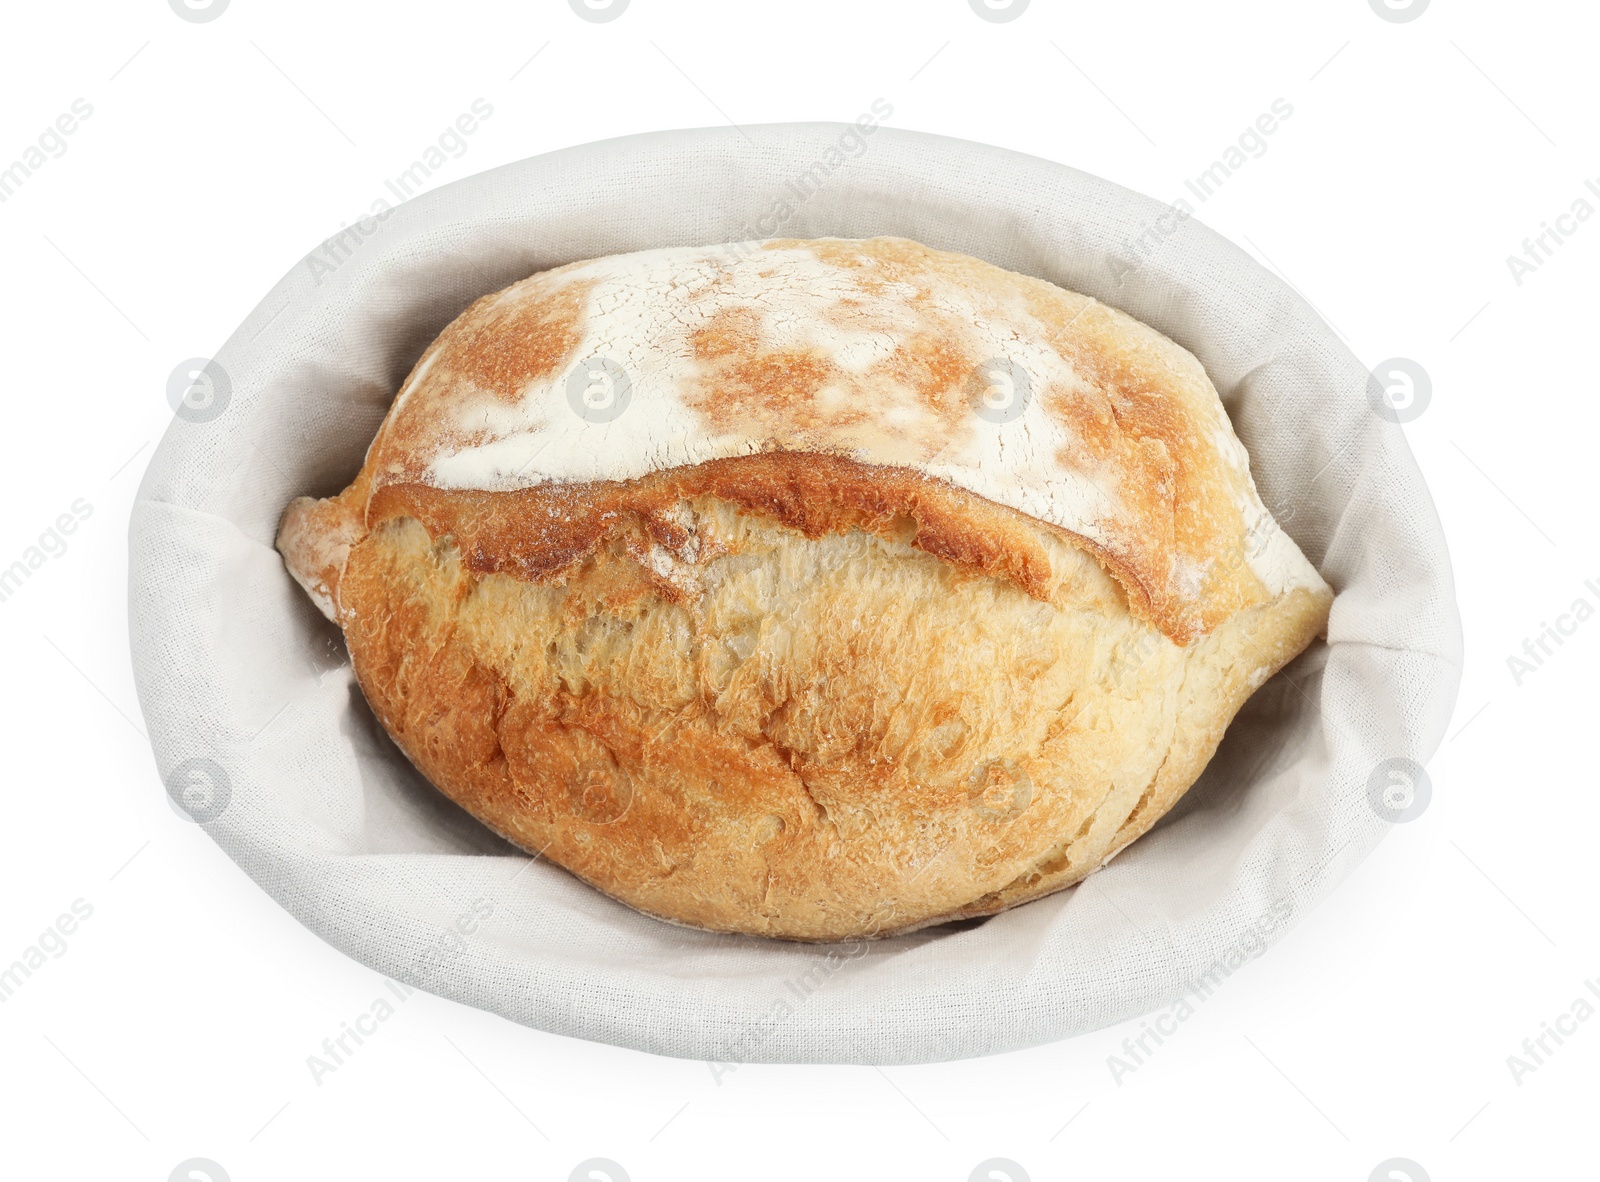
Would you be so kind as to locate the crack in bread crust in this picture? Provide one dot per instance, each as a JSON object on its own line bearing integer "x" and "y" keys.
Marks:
{"x": 538, "y": 533}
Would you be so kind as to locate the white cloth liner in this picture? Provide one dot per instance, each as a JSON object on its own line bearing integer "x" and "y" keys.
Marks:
{"x": 234, "y": 664}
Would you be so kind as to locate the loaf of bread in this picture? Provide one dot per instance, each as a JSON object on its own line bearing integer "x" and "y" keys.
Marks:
{"x": 810, "y": 589}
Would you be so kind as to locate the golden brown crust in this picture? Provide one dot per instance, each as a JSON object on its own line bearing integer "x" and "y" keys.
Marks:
{"x": 819, "y": 687}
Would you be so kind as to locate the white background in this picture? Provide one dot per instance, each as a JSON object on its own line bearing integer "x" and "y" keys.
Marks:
{"x": 1419, "y": 155}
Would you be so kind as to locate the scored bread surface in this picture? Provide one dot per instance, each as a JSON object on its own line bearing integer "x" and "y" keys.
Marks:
{"x": 882, "y": 587}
